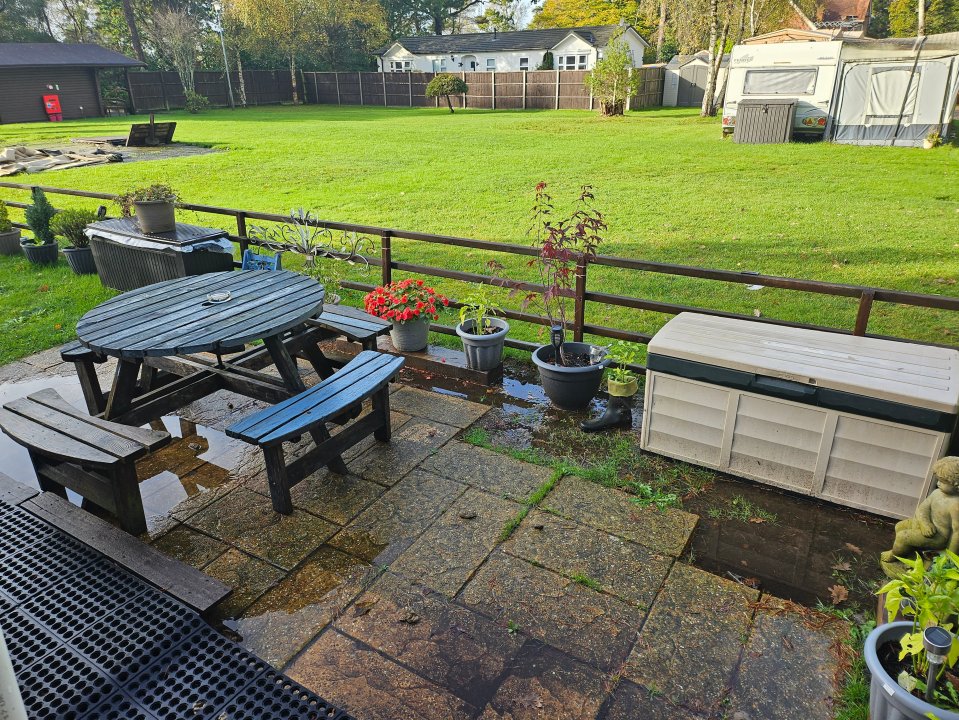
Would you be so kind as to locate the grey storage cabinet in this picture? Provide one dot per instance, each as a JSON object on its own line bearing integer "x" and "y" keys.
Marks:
{"x": 853, "y": 420}
{"x": 127, "y": 259}
{"x": 764, "y": 121}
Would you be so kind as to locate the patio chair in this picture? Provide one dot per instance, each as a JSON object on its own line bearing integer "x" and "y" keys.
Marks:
{"x": 255, "y": 261}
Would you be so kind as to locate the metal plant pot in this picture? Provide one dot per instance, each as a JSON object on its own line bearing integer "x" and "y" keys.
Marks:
{"x": 619, "y": 389}
{"x": 411, "y": 336}
{"x": 483, "y": 352}
{"x": 10, "y": 242}
{"x": 887, "y": 700}
{"x": 80, "y": 260}
{"x": 45, "y": 254}
{"x": 568, "y": 388}
{"x": 156, "y": 216}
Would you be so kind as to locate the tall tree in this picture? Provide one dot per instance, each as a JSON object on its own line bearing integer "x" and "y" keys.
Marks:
{"x": 940, "y": 16}
{"x": 24, "y": 21}
{"x": 441, "y": 14}
{"x": 177, "y": 35}
{"x": 502, "y": 15}
{"x": 134, "y": 29}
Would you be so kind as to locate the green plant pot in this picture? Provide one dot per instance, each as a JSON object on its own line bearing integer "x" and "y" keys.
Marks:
{"x": 80, "y": 260}
{"x": 10, "y": 242}
{"x": 626, "y": 389}
{"x": 45, "y": 254}
{"x": 156, "y": 216}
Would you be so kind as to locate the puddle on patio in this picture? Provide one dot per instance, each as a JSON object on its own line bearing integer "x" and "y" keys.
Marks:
{"x": 793, "y": 547}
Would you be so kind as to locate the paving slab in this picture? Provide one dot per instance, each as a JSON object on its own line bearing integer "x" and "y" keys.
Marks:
{"x": 300, "y": 606}
{"x": 337, "y": 498}
{"x": 448, "y": 553}
{"x": 691, "y": 644}
{"x": 397, "y": 421}
{"x": 387, "y": 463}
{"x": 633, "y": 702}
{"x": 189, "y": 546}
{"x": 491, "y": 471}
{"x": 391, "y": 524}
{"x": 202, "y": 498}
{"x": 248, "y": 521}
{"x": 544, "y": 683}
{"x": 457, "y": 648}
{"x": 788, "y": 670}
{"x": 369, "y": 686}
{"x": 249, "y": 577}
{"x": 662, "y": 531}
{"x": 440, "y": 407}
{"x": 620, "y": 567}
{"x": 592, "y": 626}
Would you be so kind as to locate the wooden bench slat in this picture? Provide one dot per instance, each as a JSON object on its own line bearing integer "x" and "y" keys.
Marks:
{"x": 72, "y": 427}
{"x": 150, "y": 439}
{"x": 305, "y": 400}
{"x": 55, "y": 444}
{"x": 332, "y": 405}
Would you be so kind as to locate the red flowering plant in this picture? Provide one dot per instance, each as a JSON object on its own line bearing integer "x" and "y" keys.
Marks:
{"x": 404, "y": 301}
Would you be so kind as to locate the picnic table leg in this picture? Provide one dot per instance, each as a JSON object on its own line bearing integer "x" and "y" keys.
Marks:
{"x": 124, "y": 387}
{"x": 90, "y": 385}
{"x": 319, "y": 361}
{"x": 277, "y": 477}
{"x": 381, "y": 408}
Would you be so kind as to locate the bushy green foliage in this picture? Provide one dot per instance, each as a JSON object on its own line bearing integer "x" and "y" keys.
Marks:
{"x": 479, "y": 304}
{"x": 621, "y": 354}
{"x": 5, "y": 224}
{"x": 39, "y": 215}
{"x": 70, "y": 225}
{"x": 444, "y": 85}
{"x": 941, "y": 16}
{"x": 547, "y": 63}
{"x": 157, "y": 192}
{"x": 195, "y": 102}
{"x": 612, "y": 81}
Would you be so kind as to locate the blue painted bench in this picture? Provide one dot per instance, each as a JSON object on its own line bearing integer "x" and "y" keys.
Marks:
{"x": 366, "y": 376}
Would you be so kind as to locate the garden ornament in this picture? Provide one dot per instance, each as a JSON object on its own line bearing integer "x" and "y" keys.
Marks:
{"x": 618, "y": 415}
{"x": 935, "y": 525}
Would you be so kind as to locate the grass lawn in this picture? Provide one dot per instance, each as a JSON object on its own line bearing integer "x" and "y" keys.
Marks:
{"x": 671, "y": 190}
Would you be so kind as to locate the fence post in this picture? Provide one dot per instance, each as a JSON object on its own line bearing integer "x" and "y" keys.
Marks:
{"x": 464, "y": 94}
{"x": 336, "y": 78}
{"x": 494, "y": 91}
{"x": 359, "y": 76}
{"x": 384, "y": 88}
{"x": 386, "y": 256}
{"x": 579, "y": 299}
{"x": 557, "y": 89}
{"x": 410, "y": 78}
{"x": 629, "y": 98}
{"x": 316, "y": 89}
{"x": 865, "y": 307}
{"x": 591, "y": 98}
{"x": 166, "y": 103}
{"x": 524, "y": 89}
{"x": 241, "y": 232}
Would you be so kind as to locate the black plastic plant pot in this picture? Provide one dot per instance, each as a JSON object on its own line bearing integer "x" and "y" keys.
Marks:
{"x": 45, "y": 254}
{"x": 887, "y": 700}
{"x": 80, "y": 260}
{"x": 568, "y": 388}
{"x": 10, "y": 242}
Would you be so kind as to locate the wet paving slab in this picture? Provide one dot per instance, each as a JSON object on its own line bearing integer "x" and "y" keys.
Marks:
{"x": 248, "y": 576}
{"x": 630, "y": 701}
{"x": 388, "y": 463}
{"x": 494, "y": 472}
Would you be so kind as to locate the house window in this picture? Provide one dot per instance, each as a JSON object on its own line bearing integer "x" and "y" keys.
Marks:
{"x": 581, "y": 62}
{"x": 401, "y": 65}
{"x": 524, "y": 63}
{"x": 571, "y": 62}
{"x": 490, "y": 64}
{"x": 443, "y": 65}
{"x": 439, "y": 65}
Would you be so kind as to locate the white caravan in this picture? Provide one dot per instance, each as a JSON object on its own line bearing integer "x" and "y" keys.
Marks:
{"x": 805, "y": 72}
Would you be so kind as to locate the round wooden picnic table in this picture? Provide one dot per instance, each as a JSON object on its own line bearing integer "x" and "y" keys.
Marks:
{"x": 177, "y": 317}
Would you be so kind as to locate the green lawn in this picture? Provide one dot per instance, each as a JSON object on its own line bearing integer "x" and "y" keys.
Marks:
{"x": 671, "y": 189}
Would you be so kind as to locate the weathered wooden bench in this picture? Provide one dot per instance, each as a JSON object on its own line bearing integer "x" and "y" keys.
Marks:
{"x": 366, "y": 376}
{"x": 354, "y": 324}
{"x": 95, "y": 458}
{"x": 85, "y": 361}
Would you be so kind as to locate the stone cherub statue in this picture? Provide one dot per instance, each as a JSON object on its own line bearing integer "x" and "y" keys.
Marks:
{"x": 935, "y": 525}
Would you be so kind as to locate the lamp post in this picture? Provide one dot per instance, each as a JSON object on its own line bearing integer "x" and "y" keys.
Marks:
{"x": 218, "y": 9}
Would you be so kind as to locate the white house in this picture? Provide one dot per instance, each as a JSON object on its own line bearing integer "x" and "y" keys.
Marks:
{"x": 572, "y": 49}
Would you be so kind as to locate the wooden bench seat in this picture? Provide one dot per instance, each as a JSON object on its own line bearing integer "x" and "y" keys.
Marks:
{"x": 365, "y": 376}
{"x": 95, "y": 458}
{"x": 354, "y": 324}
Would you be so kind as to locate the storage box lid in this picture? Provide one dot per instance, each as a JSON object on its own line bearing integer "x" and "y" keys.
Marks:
{"x": 915, "y": 375}
{"x": 127, "y": 231}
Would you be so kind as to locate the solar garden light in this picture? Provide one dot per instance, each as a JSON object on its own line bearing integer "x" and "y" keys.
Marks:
{"x": 936, "y": 641}
{"x": 556, "y": 338}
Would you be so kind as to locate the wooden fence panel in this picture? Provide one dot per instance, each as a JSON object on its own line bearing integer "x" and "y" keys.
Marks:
{"x": 541, "y": 90}
{"x": 573, "y": 94}
{"x": 420, "y": 81}
{"x": 649, "y": 92}
{"x": 509, "y": 90}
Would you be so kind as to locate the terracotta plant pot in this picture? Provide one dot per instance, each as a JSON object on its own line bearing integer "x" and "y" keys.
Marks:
{"x": 410, "y": 336}
{"x": 80, "y": 260}
{"x": 156, "y": 216}
{"x": 45, "y": 254}
{"x": 483, "y": 352}
{"x": 568, "y": 388}
{"x": 10, "y": 242}
{"x": 619, "y": 389}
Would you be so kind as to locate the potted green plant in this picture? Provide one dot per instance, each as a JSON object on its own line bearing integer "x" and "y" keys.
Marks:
{"x": 328, "y": 272}
{"x": 409, "y": 305}
{"x": 41, "y": 249}
{"x": 482, "y": 334}
{"x": 932, "y": 140}
{"x": 9, "y": 235}
{"x": 570, "y": 372}
{"x": 70, "y": 225}
{"x": 154, "y": 206}
{"x": 911, "y": 678}
{"x": 621, "y": 384}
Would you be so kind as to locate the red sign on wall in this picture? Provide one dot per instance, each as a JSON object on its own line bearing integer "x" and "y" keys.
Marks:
{"x": 51, "y": 103}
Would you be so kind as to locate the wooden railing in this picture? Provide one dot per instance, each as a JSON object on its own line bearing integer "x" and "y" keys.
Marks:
{"x": 867, "y": 296}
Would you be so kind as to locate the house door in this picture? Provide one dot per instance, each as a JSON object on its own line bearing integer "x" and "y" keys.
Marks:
{"x": 469, "y": 63}
{"x": 692, "y": 86}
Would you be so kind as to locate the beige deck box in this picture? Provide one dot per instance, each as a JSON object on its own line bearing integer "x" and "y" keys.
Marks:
{"x": 857, "y": 421}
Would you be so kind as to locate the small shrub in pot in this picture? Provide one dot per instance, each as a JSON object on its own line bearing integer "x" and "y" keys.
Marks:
{"x": 70, "y": 225}
{"x": 154, "y": 206}
{"x": 9, "y": 235}
{"x": 41, "y": 249}
{"x": 482, "y": 334}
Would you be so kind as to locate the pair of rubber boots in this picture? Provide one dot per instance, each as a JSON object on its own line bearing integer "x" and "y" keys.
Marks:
{"x": 617, "y": 415}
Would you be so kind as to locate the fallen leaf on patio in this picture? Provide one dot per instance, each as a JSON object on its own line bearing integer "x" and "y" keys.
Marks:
{"x": 757, "y": 520}
{"x": 787, "y": 643}
{"x": 842, "y": 567}
{"x": 838, "y": 593}
{"x": 410, "y": 618}
{"x": 854, "y": 548}
{"x": 363, "y": 607}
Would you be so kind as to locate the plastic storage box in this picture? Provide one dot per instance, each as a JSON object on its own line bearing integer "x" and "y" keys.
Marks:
{"x": 854, "y": 420}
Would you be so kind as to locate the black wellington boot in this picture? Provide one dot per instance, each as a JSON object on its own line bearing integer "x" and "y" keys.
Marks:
{"x": 617, "y": 414}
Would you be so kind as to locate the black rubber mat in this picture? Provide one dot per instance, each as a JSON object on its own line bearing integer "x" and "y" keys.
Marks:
{"x": 62, "y": 686}
{"x": 27, "y": 642}
{"x": 275, "y": 697}
{"x": 118, "y": 707}
{"x": 30, "y": 572}
{"x": 19, "y": 529}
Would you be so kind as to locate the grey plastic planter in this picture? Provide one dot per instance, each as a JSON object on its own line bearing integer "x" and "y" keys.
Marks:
{"x": 568, "y": 388}
{"x": 410, "y": 336}
{"x": 888, "y": 701}
{"x": 80, "y": 260}
{"x": 10, "y": 242}
{"x": 156, "y": 216}
{"x": 45, "y": 254}
{"x": 483, "y": 352}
